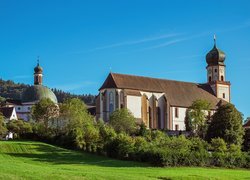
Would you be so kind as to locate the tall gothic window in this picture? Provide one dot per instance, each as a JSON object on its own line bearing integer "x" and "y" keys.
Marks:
{"x": 150, "y": 116}
{"x": 159, "y": 117}
{"x": 122, "y": 99}
{"x": 176, "y": 112}
{"x": 111, "y": 102}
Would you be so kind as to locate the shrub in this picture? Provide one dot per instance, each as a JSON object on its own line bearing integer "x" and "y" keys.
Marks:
{"x": 106, "y": 135}
{"x": 199, "y": 155}
{"x": 122, "y": 120}
{"x": 3, "y": 129}
{"x": 140, "y": 147}
{"x": 157, "y": 157}
{"x": 19, "y": 127}
{"x": 218, "y": 145}
{"x": 121, "y": 147}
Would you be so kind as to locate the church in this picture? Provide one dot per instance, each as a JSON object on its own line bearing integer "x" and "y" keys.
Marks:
{"x": 32, "y": 95}
{"x": 162, "y": 103}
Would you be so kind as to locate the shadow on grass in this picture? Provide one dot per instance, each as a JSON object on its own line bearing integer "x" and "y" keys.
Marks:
{"x": 55, "y": 155}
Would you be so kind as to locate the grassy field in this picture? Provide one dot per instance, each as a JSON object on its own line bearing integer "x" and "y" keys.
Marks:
{"x": 35, "y": 160}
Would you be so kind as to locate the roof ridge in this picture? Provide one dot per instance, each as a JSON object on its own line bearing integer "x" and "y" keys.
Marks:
{"x": 157, "y": 78}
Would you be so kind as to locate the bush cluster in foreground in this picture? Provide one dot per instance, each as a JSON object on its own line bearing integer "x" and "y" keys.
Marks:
{"x": 74, "y": 128}
{"x": 161, "y": 150}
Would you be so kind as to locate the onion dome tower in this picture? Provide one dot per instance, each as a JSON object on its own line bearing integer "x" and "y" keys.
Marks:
{"x": 216, "y": 75}
{"x": 35, "y": 93}
{"x": 38, "y": 74}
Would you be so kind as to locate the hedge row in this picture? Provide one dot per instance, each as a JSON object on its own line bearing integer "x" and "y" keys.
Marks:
{"x": 177, "y": 151}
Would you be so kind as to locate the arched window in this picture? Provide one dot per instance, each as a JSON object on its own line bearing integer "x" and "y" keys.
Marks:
{"x": 122, "y": 99}
{"x": 210, "y": 78}
{"x": 144, "y": 109}
{"x": 159, "y": 117}
{"x": 150, "y": 116}
{"x": 222, "y": 78}
{"x": 177, "y": 112}
{"x": 224, "y": 95}
{"x": 111, "y": 102}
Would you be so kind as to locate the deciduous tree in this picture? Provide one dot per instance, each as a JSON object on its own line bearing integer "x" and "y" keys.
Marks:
{"x": 44, "y": 111}
{"x": 122, "y": 120}
{"x": 196, "y": 117}
{"x": 3, "y": 129}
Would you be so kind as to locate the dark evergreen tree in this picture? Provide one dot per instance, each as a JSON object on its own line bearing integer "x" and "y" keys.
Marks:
{"x": 227, "y": 124}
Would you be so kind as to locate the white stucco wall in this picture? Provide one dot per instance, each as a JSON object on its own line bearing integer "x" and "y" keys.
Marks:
{"x": 223, "y": 89}
{"x": 134, "y": 105}
{"x": 13, "y": 115}
{"x": 180, "y": 120}
{"x": 222, "y": 72}
{"x": 23, "y": 112}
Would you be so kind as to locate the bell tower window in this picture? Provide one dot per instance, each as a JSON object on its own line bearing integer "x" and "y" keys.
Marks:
{"x": 222, "y": 78}
{"x": 210, "y": 78}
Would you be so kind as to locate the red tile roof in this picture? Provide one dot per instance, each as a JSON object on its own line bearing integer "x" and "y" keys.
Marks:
{"x": 178, "y": 93}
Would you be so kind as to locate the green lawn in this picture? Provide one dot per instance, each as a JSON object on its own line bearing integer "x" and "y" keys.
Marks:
{"x": 35, "y": 160}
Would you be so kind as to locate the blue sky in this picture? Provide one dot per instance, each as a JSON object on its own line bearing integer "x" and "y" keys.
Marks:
{"x": 79, "y": 42}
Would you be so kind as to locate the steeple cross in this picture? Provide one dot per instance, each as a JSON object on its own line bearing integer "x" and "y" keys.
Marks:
{"x": 38, "y": 60}
{"x": 214, "y": 40}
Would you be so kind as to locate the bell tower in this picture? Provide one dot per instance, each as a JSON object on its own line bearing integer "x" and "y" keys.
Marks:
{"x": 38, "y": 74}
{"x": 216, "y": 73}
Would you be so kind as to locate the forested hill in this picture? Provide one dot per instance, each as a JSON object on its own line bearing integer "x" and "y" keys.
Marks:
{"x": 12, "y": 90}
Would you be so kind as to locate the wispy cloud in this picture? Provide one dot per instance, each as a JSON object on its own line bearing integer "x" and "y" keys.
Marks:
{"x": 132, "y": 42}
{"x": 145, "y": 40}
{"x": 174, "y": 38}
{"x": 177, "y": 40}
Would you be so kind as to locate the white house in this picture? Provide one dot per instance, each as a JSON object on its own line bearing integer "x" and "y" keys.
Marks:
{"x": 162, "y": 103}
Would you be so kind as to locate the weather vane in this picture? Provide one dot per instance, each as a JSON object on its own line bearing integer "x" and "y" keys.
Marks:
{"x": 214, "y": 40}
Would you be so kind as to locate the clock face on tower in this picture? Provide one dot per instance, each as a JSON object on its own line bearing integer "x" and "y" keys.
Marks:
{"x": 221, "y": 70}
{"x": 209, "y": 71}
